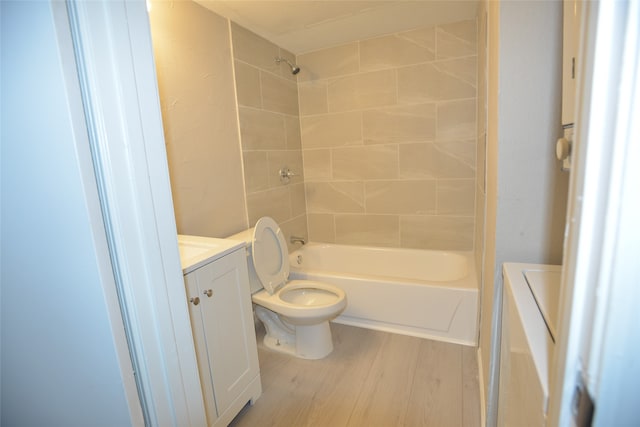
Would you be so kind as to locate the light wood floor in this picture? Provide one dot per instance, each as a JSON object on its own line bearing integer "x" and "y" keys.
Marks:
{"x": 371, "y": 379}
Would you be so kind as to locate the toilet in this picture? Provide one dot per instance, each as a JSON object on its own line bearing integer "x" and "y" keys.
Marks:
{"x": 295, "y": 313}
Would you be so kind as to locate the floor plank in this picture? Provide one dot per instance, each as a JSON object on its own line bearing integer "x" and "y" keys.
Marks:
{"x": 436, "y": 398}
{"x": 373, "y": 379}
{"x": 470, "y": 387}
{"x": 384, "y": 396}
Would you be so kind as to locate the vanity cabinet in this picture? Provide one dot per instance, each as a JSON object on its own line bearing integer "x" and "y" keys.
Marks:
{"x": 223, "y": 329}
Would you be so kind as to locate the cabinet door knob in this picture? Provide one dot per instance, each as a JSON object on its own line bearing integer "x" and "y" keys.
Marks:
{"x": 195, "y": 300}
{"x": 208, "y": 292}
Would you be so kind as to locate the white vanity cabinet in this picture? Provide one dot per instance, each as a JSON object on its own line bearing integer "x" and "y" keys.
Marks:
{"x": 529, "y": 318}
{"x": 219, "y": 299}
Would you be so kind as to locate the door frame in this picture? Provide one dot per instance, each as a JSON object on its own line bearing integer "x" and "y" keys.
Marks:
{"x": 116, "y": 71}
{"x": 599, "y": 333}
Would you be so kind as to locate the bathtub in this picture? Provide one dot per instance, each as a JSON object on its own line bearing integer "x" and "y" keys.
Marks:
{"x": 423, "y": 293}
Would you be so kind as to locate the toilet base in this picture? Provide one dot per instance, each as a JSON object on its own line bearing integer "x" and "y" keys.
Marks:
{"x": 306, "y": 342}
{"x": 314, "y": 341}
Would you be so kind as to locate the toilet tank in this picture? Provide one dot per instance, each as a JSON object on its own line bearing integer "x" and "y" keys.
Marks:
{"x": 247, "y": 237}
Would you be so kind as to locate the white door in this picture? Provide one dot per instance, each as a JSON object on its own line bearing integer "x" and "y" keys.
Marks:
{"x": 599, "y": 334}
{"x": 111, "y": 41}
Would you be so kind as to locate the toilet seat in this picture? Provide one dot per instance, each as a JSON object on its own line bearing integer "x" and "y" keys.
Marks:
{"x": 270, "y": 254}
{"x": 332, "y": 301}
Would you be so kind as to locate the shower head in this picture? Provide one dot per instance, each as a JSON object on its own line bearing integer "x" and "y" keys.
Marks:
{"x": 294, "y": 68}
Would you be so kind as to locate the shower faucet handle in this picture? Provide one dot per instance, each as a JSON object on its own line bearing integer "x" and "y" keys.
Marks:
{"x": 286, "y": 174}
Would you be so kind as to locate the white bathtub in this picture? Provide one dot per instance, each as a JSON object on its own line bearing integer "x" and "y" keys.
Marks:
{"x": 429, "y": 294}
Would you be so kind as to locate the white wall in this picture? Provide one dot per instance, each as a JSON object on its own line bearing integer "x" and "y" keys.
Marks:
{"x": 60, "y": 364}
{"x": 526, "y": 192}
{"x": 532, "y": 191}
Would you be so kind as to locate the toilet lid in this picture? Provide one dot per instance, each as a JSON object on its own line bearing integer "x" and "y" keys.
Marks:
{"x": 270, "y": 254}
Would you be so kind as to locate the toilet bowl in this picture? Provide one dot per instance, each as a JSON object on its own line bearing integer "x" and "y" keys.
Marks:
{"x": 295, "y": 313}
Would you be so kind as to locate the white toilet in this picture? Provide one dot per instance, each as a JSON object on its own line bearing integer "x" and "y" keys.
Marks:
{"x": 295, "y": 313}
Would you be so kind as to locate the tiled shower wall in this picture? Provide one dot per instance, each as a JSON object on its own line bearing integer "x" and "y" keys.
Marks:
{"x": 389, "y": 134}
{"x": 267, "y": 96}
{"x": 388, "y": 128}
{"x": 198, "y": 105}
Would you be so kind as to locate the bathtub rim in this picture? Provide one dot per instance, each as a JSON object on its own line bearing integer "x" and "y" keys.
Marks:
{"x": 468, "y": 282}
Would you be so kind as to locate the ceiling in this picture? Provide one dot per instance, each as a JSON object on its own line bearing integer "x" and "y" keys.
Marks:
{"x": 305, "y": 25}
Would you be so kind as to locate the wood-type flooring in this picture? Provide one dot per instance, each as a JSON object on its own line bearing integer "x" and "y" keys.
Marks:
{"x": 372, "y": 379}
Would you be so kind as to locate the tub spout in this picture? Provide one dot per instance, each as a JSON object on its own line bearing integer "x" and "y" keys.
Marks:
{"x": 296, "y": 239}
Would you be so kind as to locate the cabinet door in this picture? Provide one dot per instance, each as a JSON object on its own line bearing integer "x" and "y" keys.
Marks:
{"x": 197, "y": 327}
{"x": 227, "y": 318}
{"x": 522, "y": 400}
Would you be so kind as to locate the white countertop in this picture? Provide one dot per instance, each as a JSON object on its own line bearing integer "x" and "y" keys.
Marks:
{"x": 196, "y": 251}
{"x": 545, "y": 286}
